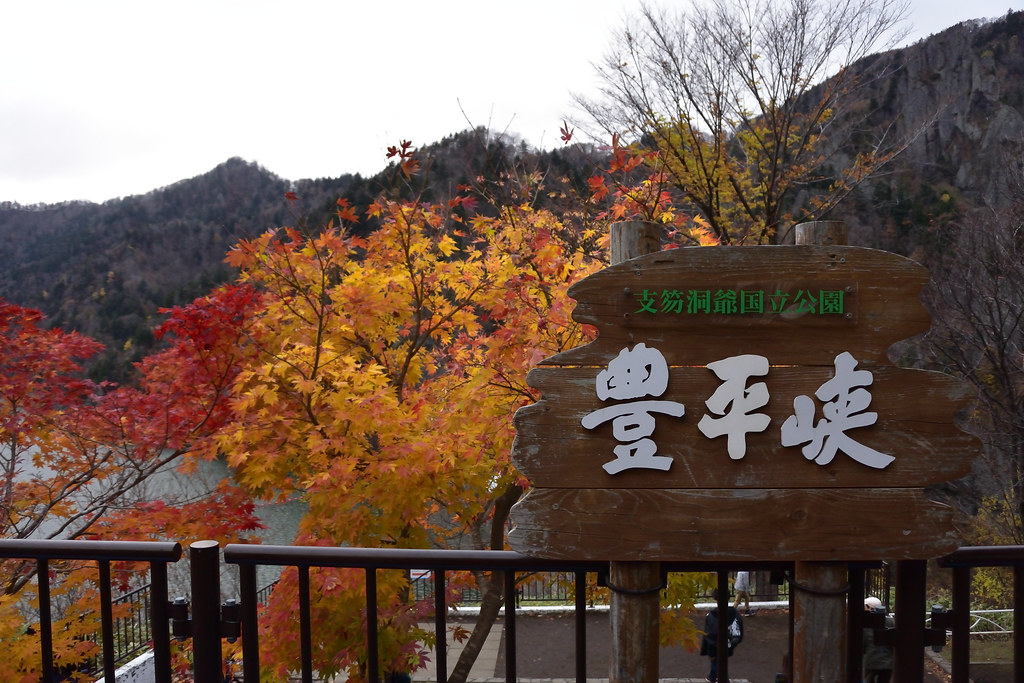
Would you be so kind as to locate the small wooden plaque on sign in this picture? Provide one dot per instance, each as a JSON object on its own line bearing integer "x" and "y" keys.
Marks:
{"x": 739, "y": 404}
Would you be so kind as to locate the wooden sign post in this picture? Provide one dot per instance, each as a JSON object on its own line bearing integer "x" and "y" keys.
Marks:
{"x": 819, "y": 589}
{"x": 738, "y": 404}
{"x": 634, "y": 607}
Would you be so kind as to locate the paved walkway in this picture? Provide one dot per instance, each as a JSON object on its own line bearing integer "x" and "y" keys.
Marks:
{"x": 545, "y": 651}
{"x": 484, "y": 667}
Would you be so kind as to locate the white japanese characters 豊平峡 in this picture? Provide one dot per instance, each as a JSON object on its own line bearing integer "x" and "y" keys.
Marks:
{"x": 642, "y": 371}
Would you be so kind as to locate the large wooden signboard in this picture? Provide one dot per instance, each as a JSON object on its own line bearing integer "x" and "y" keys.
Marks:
{"x": 739, "y": 404}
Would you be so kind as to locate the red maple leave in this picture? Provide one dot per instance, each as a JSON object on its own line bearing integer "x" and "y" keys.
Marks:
{"x": 566, "y": 132}
{"x": 598, "y": 189}
{"x": 467, "y": 203}
{"x": 410, "y": 167}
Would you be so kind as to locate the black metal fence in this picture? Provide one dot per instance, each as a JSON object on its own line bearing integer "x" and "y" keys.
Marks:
{"x": 157, "y": 554}
{"x": 558, "y": 588}
{"x": 133, "y": 632}
{"x": 209, "y": 619}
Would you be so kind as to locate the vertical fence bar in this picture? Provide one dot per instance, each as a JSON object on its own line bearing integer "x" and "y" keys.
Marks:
{"x": 372, "y": 656}
{"x": 440, "y": 626}
{"x": 510, "y": 626}
{"x": 160, "y": 628}
{"x": 45, "y": 616}
{"x": 204, "y": 557}
{"x": 722, "y": 637}
{"x": 961, "y": 669}
{"x": 580, "y": 585}
{"x": 887, "y": 578}
{"x": 250, "y": 623}
{"x": 787, "y": 659}
{"x": 1018, "y": 623}
{"x": 305, "y": 627}
{"x": 107, "y": 622}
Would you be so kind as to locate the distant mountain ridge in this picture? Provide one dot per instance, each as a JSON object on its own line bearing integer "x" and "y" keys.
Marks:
{"x": 105, "y": 269}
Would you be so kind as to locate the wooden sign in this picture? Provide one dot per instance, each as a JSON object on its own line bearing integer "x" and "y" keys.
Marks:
{"x": 739, "y": 404}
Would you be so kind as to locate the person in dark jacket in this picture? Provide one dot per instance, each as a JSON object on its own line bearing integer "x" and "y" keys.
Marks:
{"x": 709, "y": 642}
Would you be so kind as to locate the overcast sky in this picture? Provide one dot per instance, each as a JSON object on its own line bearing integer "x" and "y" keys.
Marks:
{"x": 103, "y": 99}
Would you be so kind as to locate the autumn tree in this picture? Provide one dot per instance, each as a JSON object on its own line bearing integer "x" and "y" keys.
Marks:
{"x": 740, "y": 98}
{"x": 977, "y": 333}
{"x": 75, "y": 455}
{"x": 387, "y": 372}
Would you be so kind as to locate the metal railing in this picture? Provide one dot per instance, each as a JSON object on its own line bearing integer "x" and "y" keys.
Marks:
{"x": 206, "y": 624}
{"x": 157, "y": 554}
{"x": 438, "y": 562}
{"x": 133, "y": 634}
{"x": 962, "y": 562}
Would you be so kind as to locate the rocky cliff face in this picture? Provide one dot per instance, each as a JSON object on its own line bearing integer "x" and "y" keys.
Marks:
{"x": 958, "y": 98}
{"x": 971, "y": 76}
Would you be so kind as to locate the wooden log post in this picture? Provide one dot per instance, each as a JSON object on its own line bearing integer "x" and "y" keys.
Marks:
{"x": 635, "y": 586}
{"x": 819, "y": 589}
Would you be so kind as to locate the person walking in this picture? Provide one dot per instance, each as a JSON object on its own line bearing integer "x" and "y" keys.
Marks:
{"x": 709, "y": 642}
{"x": 742, "y": 588}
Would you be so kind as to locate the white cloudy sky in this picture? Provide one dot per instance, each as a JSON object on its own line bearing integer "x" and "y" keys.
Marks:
{"x": 102, "y": 99}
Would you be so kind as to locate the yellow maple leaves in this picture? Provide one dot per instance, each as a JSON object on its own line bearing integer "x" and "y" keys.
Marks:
{"x": 390, "y": 367}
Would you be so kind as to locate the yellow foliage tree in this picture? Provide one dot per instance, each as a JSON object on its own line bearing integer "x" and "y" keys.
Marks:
{"x": 382, "y": 393}
{"x": 737, "y": 98}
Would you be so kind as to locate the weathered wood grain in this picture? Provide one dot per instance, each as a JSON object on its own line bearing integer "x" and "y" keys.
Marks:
{"x": 726, "y": 525}
{"x": 882, "y": 297}
{"x": 916, "y": 414}
{"x": 773, "y": 502}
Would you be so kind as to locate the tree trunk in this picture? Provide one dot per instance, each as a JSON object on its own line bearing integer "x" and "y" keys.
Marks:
{"x": 490, "y": 604}
{"x": 492, "y": 590}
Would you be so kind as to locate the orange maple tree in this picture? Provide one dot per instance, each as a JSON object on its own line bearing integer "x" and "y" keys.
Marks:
{"x": 382, "y": 392}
